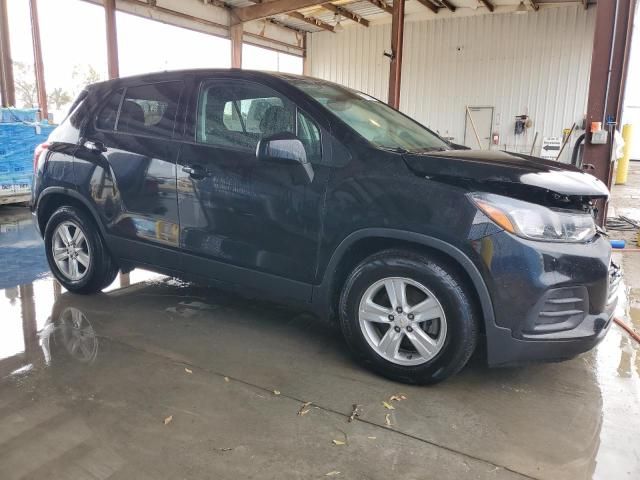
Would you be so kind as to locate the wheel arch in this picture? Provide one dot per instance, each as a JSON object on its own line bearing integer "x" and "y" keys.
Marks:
{"x": 53, "y": 197}
{"x": 363, "y": 243}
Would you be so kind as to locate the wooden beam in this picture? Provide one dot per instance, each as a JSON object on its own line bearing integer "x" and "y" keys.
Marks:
{"x": 346, "y": 13}
{"x": 429, "y": 5}
{"x": 534, "y": 5}
{"x": 37, "y": 59}
{"x": 382, "y": 6}
{"x": 312, "y": 21}
{"x": 397, "y": 39}
{"x": 7, "y": 83}
{"x": 489, "y": 5}
{"x": 448, "y": 5}
{"x": 235, "y": 32}
{"x": 269, "y": 9}
{"x": 585, "y": 4}
{"x": 112, "y": 38}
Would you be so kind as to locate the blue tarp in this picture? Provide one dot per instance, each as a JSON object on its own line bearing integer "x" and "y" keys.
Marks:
{"x": 18, "y": 139}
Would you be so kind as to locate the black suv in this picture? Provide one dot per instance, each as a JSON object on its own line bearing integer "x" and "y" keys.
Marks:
{"x": 307, "y": 192}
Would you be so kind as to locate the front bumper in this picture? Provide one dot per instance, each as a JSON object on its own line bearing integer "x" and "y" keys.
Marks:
{"x": 551, "y": 301}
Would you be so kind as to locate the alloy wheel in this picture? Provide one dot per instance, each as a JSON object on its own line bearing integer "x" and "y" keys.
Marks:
{"x": 402, "y": 321}
{"x": 71, "y": 251}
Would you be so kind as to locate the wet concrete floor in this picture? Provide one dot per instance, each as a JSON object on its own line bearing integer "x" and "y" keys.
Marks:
{"x": 156, "y": 378}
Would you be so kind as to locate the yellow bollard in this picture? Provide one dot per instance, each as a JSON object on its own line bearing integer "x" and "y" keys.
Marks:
{"x": 623, "y": 163}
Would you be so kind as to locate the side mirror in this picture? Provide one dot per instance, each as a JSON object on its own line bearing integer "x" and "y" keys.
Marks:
{"x": 285, "y": 148}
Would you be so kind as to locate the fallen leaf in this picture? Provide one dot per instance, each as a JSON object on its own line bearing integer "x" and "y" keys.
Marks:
{"x": 332, "y": 474}
{"x": 339, "y": 442}
{"x": 188, "y": 371}
{"x": 355, "y": 412}
{"x": 387, "y": 419}
{"x": 304, "y": 409}
{"x": 398, "y": 397}
{"x": 226, "y": 379}
{"x": 276, "y": 392}
{"x": 388, "y": 406}
{"x": 168, "y": 420}
{"x": 372, "y": 438}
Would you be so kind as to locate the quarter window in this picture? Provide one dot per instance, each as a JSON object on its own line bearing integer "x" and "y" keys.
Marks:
{"x": 150, "y": 109}
{"x": 107, "y": 117}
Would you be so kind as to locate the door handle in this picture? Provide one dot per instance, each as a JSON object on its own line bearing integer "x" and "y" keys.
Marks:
{"x": 94, "y": 146}
{"x": 195, "y": 171}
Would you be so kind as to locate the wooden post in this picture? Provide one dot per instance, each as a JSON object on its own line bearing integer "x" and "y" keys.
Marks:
{"x": 37, "y": 59}
{"x": 236, "y": 45}
{"x": 395, "y": 68}
{"x": 606, "y": 82}
{"x": 112, "y": 38}
{"x": 7, "y": 84}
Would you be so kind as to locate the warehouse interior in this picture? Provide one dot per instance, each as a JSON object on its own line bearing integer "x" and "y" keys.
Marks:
{"x": 162, "y": 378}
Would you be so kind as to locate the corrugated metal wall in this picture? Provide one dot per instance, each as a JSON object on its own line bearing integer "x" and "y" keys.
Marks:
{"x": 536, "y": 64}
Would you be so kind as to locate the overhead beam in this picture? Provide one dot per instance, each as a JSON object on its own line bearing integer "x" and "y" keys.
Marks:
{"x": 534, "y": 5}
{"x": 7, "y": 83}
{"x": 489, "y": 5}
{"x": 429, "y": 5}
{"x": 37, "y": 59}
{"x": 382, "y": 6}
{"x": 269, "y": 9}
{"x": 346, "y": 14}
{"x": 397, "y": 40}
{"x": 312, "y": 21}
{"x": 448, "y": 5}
{"x": 112, "y": 38}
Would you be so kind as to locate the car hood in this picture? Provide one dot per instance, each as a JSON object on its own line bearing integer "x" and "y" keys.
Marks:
{"x": 507, "y": 173}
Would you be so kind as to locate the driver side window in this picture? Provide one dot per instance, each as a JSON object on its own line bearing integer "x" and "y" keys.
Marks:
{"x": 238, "y": 114}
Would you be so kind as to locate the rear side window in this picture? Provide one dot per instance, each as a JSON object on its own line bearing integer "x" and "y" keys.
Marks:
{"x": 150, "y": 109}
{"x": 146, "y": 109}
{"x": 109, "y": 113}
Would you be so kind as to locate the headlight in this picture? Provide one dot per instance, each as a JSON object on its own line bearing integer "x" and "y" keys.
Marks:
{"x": 535, "y": 222}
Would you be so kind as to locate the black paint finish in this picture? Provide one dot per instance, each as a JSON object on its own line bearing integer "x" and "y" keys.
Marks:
{"x": 222, "y": 216}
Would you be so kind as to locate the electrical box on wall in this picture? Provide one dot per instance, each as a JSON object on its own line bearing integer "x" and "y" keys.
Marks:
{"x": 599, "y": 137}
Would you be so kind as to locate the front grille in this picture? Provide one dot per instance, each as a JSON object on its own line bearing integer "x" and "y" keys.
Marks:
{"x": 615, "y": 277}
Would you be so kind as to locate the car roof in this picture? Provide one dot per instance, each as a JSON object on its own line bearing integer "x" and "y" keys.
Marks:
{"x": 177, "y": 74}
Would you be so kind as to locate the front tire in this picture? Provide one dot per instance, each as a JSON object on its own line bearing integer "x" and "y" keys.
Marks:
{"x": 76, "y": 252}
{"x": 408, "y": 317}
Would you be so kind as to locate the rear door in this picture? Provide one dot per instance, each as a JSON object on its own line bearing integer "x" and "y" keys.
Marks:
{"x": 244, "y": 221}
{"x": 126, "y": 163}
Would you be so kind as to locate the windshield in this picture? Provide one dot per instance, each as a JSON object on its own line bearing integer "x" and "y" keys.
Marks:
{"x": 377, "y": 122}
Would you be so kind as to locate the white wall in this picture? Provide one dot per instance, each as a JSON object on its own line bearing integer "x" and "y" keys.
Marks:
{"x": 536, "y": 64}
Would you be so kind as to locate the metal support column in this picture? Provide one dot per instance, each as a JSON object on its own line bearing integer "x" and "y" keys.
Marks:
{"x": 37, "y": 59}
{"x": 112, "y": 38}
{"x": 7, "y": 84}
{"x": 611, "y": 46}
{"x": 395, "y": 68}
{"x": 236, "y": 45}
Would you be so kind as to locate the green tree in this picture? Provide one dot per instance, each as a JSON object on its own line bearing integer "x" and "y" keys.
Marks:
{"x": 58, "y": 97}
{"x": 25, "y": 82}
{"x": 84, "y": 75}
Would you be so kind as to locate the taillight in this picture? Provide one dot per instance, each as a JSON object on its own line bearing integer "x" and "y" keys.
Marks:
{"x": 40, "y": 149}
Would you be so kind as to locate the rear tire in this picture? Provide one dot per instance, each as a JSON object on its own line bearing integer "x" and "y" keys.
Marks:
{"x": 423, "y": 332}
{"x": 76, "y": 252}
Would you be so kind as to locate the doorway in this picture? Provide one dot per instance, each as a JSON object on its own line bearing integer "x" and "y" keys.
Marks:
{"x": 482, "y": 119}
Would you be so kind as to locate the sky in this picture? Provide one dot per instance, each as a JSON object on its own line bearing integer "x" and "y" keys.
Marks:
{"x": 73, "y": 33}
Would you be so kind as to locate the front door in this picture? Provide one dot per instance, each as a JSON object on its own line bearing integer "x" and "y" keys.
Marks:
{"x": 241, "y": 220}
{"x": 127, "y": 163}
{"x": 477, "y": 127}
